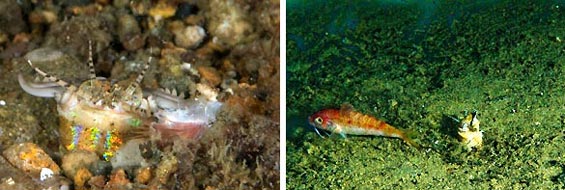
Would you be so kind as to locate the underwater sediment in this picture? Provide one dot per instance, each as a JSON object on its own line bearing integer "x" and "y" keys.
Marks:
{"x": 423, "y": 66}
{"x": 227, "y": 51}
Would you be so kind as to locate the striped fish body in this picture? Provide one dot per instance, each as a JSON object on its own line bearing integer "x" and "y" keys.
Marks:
{"x": 346, "y": 121}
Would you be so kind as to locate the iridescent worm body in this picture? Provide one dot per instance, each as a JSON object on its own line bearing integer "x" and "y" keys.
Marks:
{"x": 99, "y": 116}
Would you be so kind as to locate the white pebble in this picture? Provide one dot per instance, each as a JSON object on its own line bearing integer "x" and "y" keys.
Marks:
{"x": 190, "y": 37}
{"x": 45, "y": 174}
{"x": 186, "y": 66}
{"x": 10, "y": 181}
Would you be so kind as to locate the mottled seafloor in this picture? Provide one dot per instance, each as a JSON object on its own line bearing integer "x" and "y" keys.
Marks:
{"x": 238, "y": 56}
{"x": 420, "y": 66}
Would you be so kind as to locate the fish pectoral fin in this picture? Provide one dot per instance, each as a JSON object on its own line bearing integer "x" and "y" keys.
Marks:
{"x": 337, "y": 129}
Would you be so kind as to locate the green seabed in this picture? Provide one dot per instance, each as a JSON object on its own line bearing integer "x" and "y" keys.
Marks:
{"x": 417, "y": 66}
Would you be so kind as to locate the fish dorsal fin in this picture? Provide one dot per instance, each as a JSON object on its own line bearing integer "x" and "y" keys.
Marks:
{"x": 346, "y": 107}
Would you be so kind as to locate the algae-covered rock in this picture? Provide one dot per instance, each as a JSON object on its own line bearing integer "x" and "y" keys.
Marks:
{"x": 31, "y": 159}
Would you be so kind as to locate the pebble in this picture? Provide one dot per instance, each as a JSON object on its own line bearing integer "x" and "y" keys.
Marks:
{"x": 118, "y": 180}
{"x": 3, "y": 37}
{"x": 97, "y": 182}
{"x": 13, "y": 178}
{"x": 162, "y": 10}
{"x": 76, "y": 160}
{"x": 189, "y": 37}
{"x": 227, "y": 23}
{"x": 210, "y": 74}
{"x": 45, "y": 174}
{"x": 42, "y": 17}
{"x": 44, "y": 54}
{"x": 143, "y": 175}
{"x": 31, "y": 159}
{"x": 129, "y": 155}
{"x": 81, "y": 177}
{"x": 129, "y": 33}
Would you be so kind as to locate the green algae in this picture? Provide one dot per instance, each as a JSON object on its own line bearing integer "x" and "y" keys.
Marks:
{"x": 505, "y": 60}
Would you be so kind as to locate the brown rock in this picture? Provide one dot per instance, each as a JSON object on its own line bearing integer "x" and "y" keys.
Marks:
{"x": 143, "y": 175}
{"x": 162, "y": 10}
{"x": 13, "y": 178}
{"x": 97, "y": 182}
{"x": 42, "y": 17}
{"x": 129, "y": 32}
{"x": 194, "y": 20}
{"x": 228, "y": 23}
{"x": 118, "y": 180}
{"x": 189, "y": 37}
{"x": 30, "y": 158}
{"x": 82, "y": 176}
{"x": 210, "y": 74}
{"x": 74, "y": 161}
{"x": 133, "y": 42}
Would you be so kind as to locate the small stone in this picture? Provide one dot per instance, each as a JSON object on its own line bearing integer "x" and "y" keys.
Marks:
{"x": 210, "y": 74}
{"x": 13, "y": 178}
{"x": 97, "y": 181}
{"x": 81, "y": 177}
{"x": 120, "y": 3}
{"x": 129, "y": 32}
{"x": 129, "y": 155}
{"x": 118, "y": 180}
{"x": 22, "y": 38}
{"x": 44, "y": 54}
{"x": 143, "y": 175}
{"x": 228, "y": 23}
{"x": 194, "y": 20}
{"x": 162, "y": 10}
{"x": 31, "y": 159}
{"x": 42, "y": 17}
{"x": 45, "y": 174}
{"x": 133, "y": 42}
{"x": 3, "y": 38}
{"x": 76, "y": 160}
{"x": 189, "y": 37}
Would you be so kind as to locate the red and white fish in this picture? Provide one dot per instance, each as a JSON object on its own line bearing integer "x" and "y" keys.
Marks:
{"x": 346, "y": 121}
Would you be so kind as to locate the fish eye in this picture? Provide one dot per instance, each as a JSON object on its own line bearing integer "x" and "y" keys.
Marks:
{"x": 318, "y": 120}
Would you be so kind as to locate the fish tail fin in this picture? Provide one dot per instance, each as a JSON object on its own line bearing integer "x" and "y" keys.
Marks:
{"x": 412, "y": 143}
{"x": 407, "y": 138}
